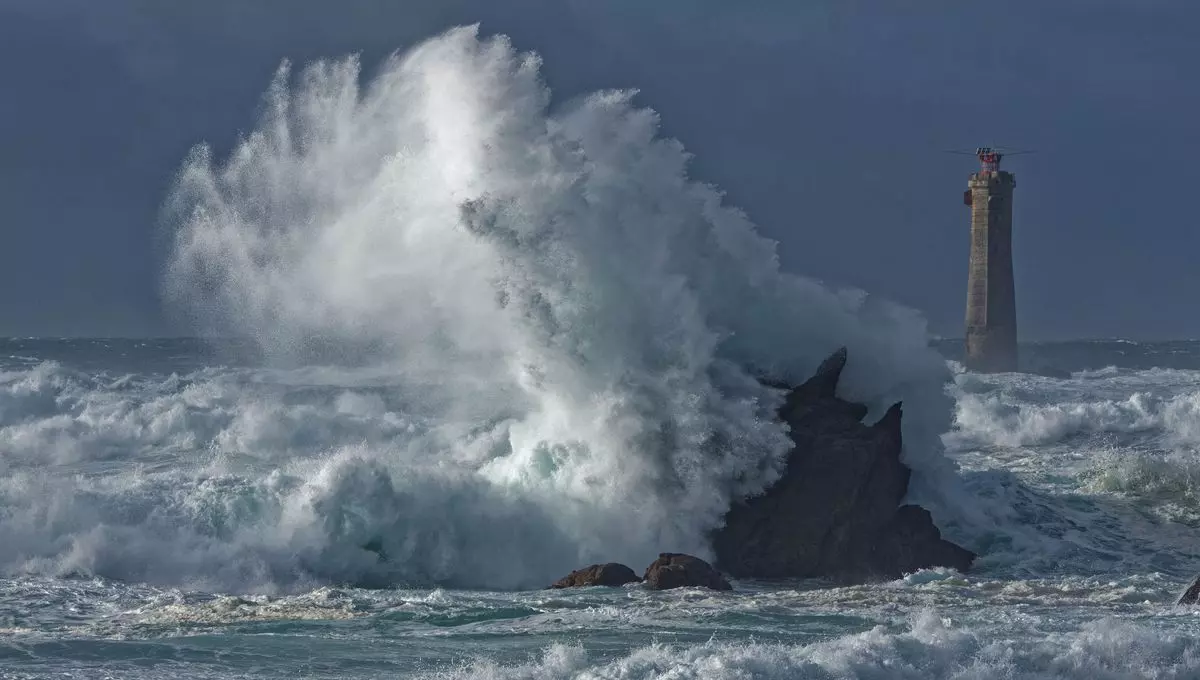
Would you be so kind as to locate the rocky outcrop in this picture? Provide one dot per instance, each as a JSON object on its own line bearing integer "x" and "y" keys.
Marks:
{"x": 1192, "y": 594}
{"x": 676, "y": 570}
{"x": 835, "y": 513}
{"x": 610, "y": 574}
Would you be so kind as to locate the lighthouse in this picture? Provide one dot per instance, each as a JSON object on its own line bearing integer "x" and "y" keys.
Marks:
{"x": 991, "y": 333}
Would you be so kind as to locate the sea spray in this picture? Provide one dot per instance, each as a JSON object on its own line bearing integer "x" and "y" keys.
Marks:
{"x": 607, "y": 312}
{"x": 141, "y": 483}
{"x": 541, "y": 342}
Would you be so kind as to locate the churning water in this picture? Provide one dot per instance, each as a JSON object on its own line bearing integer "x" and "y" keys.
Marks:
{"x": 490, "y": 338}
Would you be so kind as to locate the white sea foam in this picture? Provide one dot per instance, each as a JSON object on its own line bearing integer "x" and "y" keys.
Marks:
{"x": 1136, "y": 434}
{"x": 510, "y": 339}
{"x": 540, "y": 339}
{"x": 1032, "y": 411}
{"x": 931, "y": 647}
{"x": 1083, "y": 475}
{"x": 990, "y": 419}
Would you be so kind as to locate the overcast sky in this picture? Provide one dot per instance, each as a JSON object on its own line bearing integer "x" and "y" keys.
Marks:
{"x": 824, "y": 120}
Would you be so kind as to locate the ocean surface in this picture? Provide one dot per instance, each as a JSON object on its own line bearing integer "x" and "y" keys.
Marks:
{"x": 488, "y": 337}
{"x": 153, "y": 515}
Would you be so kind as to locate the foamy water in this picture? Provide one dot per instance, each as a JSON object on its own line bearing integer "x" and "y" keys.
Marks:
{"x": 207, "y": 519}
{"x": 578, "y": 322}
{"x": 488, "y": 337}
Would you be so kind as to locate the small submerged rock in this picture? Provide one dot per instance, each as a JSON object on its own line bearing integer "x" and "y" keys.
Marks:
{"x": 676, "y": 570}
{"x": 609, "y": 574}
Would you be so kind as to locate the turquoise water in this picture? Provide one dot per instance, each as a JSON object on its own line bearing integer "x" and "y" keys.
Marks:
{"x": 931, "y": 626}
{"x": 150, "y": 530}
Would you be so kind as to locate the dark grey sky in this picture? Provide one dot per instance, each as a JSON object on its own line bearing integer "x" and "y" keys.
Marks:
{"x": 822, "y": 118}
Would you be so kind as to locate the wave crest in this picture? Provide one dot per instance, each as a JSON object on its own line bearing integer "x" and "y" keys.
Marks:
{"x": 576, "y": 324}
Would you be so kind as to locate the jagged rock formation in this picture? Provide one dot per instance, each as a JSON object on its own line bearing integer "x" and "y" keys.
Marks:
{"x": 1192, "y": 594}
{"x": 836, "y": 511}
{"x": 609, "y": 574}
{"x": 676, "y": 570}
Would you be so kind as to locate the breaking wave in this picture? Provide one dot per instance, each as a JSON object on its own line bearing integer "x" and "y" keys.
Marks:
{"x": 989, "y": 420}
{"x": 932, "y": 647}
{"x": 507, "y": 338}
{"x": 1096, "y": 472}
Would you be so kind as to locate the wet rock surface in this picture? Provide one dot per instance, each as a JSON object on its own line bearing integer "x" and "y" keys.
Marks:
{"x": 676, "y": 570}
{"x": 1192, "y": 594}
{"x": 609, "y": 574}
{"x": 836, "y": 512}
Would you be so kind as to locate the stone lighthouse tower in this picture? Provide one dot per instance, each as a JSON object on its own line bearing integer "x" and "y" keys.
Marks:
{"x": 991, "y": 297}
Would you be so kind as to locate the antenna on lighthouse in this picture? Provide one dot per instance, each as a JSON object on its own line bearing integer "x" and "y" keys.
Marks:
{"x": 990, "y": 156}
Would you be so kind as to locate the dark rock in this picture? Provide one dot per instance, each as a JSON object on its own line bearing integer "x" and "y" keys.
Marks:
{"x": 913, "y": 542}
{"x": 610, "y": 574}
{"x": 835, "y": 513}
{"x": 676, "y": 570}
{"x": 1192, "y": 594}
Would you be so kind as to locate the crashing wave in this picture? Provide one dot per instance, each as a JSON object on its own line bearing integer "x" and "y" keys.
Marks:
{"x": 571, "y": 330}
